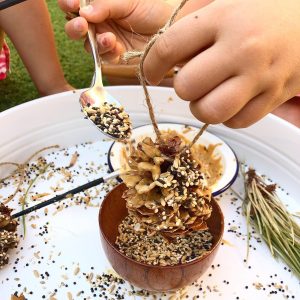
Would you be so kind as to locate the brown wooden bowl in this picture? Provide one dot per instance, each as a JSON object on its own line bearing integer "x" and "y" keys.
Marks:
{"x": 153, "y": 278}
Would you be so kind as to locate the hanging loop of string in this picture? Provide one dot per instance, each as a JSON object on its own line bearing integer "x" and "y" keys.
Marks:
{"x": 142, "y": 55}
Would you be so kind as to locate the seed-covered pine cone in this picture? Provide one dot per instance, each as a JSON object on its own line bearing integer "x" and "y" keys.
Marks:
{"x": 8, "y": 235}
{"x": 167, "y": 190}
{"x": 16, "y": 297}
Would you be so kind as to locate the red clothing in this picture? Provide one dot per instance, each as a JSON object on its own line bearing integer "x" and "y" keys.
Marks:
{"x": 4, "y": 61}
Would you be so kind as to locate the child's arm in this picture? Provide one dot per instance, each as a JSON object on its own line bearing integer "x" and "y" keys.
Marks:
{"x": 28, "y": 25}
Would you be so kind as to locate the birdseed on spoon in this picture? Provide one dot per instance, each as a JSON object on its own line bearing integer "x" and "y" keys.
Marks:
{"x": 111, "y": 119}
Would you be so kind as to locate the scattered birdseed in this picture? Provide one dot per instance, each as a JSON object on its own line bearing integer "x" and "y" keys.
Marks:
{"x": 73, "y": 160}
{"x": 39, "y": 196}
{"x": 64, "y": 276}
{"x": 14, "y": 277}
{"x": 76, "y": 271}
{"x": 70, "y": 297}
{"x": 36, "y": 273}
{"x": 110, "y": 119}
{"x": 143, "y": 245}
{"x": 109, "y": 285}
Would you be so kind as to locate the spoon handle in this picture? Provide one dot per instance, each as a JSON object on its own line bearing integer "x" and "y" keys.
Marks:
{"x": 97, "y": 60}
{"x": 94, "y": 47}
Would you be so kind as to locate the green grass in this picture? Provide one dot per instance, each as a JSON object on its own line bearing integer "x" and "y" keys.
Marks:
{"x": 18, "y": 88}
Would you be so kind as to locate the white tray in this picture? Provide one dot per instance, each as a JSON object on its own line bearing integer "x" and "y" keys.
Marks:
{"x": 271, "y": 146}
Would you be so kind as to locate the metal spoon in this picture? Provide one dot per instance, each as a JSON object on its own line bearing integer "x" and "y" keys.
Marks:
{"x": 97, "y": 104}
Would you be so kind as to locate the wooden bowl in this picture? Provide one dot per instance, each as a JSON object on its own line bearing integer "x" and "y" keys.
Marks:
{"x": 153, "y": 278}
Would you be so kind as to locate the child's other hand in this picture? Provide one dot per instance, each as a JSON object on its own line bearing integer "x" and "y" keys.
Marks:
{"x": 242, "y": 59}
{"x": 120, "y": 25}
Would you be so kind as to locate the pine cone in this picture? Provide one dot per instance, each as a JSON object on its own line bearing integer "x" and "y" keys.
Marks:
{"x": 8, "y": 235}
{"x": 16, "y": 297}
{"x": 166, "y": 189}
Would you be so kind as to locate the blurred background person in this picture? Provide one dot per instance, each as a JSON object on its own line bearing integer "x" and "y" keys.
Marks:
{"x": 28, "y": 26}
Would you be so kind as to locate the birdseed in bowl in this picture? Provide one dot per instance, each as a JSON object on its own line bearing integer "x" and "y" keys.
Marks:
{"x": 136, "y": 241}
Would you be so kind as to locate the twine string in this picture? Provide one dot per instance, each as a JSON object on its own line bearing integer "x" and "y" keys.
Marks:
{"x": 141, "y": 76}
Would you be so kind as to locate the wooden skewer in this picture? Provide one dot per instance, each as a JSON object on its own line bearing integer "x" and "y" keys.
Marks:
{"x": 66, "y": 194}
{"x": 8, "y": 3}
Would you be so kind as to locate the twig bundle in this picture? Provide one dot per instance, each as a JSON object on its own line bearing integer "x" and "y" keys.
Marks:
{"x": 273, "y": 221}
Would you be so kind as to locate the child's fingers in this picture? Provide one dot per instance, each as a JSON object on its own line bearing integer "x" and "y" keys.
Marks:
{"x": 76, "y": 28}
{"x": 106, "y": 42}
{"x": 108, "y": 47}
{"x": 99, "y": 11}
{"x": 69, "y": 5}
{"x": 204, "y": 72}
{"x": 252, "y": 112}
{"x": 113, "y": 56}
{"x": 225, "y": 101}
{"x": 108, "y": 55}
{"x": 187, "y": 37}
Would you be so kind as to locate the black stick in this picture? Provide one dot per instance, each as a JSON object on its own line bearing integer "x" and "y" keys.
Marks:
{"x": 64, "y": 195}
{"x": 8, "y": 3}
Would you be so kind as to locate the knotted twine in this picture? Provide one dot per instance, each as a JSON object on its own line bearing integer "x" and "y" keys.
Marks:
{"x": 141, "y": 76}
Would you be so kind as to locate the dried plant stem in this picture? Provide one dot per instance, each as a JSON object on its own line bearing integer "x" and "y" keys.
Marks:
{"x": 14, "y": 172}
{"x": 20, "y": 169}
{"x": 40, "y": 151}
{"x": 24, "y": 200}
{"x": 275, "y": 224}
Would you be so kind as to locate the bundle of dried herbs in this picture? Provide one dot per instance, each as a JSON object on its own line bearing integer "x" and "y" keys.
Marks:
{"x": 8, "y": 235}
{"x": 275, "y": 224}
{"x": 167, "y": 184}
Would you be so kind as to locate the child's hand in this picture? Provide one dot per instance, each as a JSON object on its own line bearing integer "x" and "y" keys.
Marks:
{"x": 242, "y": 59}
{"x": 121, "y": 25}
